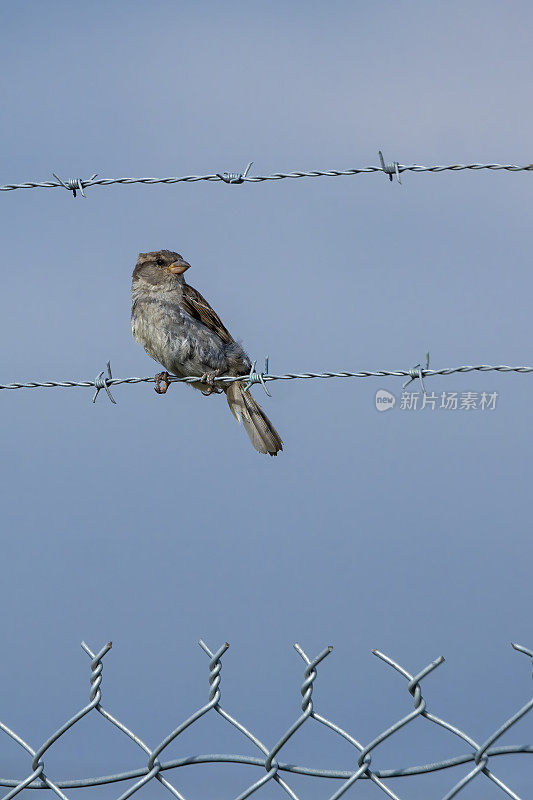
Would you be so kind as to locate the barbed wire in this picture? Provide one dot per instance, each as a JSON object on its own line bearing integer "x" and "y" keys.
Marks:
{"x": 479, "y": 754}
{"x": 390, "y": 169}
{"x": 418, "y": 372}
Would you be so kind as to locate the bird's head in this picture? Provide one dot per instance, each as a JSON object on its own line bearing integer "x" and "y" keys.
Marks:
{"x": 160, "y": 266}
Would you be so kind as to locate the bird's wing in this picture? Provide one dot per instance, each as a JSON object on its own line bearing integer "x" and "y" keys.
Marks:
{"x": 198, "y": 308}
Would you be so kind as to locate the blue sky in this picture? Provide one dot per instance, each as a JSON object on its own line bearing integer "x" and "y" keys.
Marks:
{"x": 153, "y": 522}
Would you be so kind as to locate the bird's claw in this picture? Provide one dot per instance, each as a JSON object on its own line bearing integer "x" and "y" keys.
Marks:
{"x": 161, "y": 382}
{"x": 209, "y": 379}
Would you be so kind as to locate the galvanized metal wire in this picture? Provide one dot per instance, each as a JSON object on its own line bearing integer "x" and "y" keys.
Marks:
{"x": 476, "y": 758}
{"x": 104, "y": 381}
{"x": 390, "y": 169}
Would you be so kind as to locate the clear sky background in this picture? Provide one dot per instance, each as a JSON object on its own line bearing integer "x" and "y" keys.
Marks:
{"x": 154, "y": 522}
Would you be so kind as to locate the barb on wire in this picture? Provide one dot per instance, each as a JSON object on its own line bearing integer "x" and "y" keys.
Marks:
{"x": 104, "y": 382}
{"x": 418, "y": 372}
{"x": 75, "y": 184}
{"x": 273, "y": 768}
{"x": 234, "y": 177}
{"x": 258, "y": 377}
{"x": 390, "y": 169}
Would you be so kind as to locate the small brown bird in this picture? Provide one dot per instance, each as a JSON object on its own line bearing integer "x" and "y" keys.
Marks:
{"x": 178, "y": 328}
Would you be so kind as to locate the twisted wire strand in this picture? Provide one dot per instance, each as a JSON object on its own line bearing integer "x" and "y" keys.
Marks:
{"x": 255, "y": 377}
{"x": 271, "y": 763}
{"x": 365, "y": 757}
{"x": 78, "y": 184}
{"x": 364, "y": 770}
{"x": 138, "y": 741}
{"x": 37, "y": 765}
{"x": 240, "y": 727}
{"x": 480, "y": 755}
{"x": 479, "y": 758}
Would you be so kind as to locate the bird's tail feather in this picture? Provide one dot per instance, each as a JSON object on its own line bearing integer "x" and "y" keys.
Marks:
{"x": 257, "y": 425}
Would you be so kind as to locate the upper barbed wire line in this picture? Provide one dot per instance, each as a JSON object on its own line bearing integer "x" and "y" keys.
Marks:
{"x": 75, "y": 184}
{"x": 259, "y": 378}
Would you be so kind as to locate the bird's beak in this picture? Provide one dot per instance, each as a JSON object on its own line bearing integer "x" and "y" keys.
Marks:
{"x": 179, "y": 266}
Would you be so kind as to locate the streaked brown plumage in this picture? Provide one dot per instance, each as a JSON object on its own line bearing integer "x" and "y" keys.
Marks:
{"x": 178, "y": 328}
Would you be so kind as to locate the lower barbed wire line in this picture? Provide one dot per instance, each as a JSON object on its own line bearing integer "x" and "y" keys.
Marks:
{"x": 253, "y": 761}
{"x": 401, "y": 373}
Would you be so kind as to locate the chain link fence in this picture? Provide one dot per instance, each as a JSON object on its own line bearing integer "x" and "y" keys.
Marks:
{"x": 475, "y": 759}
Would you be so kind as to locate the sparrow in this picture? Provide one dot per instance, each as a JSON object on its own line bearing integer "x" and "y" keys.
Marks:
{"x": 178, "y": 328}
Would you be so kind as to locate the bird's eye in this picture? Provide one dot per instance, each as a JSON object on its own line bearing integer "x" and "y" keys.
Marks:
{"x": 159, "y": 261}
